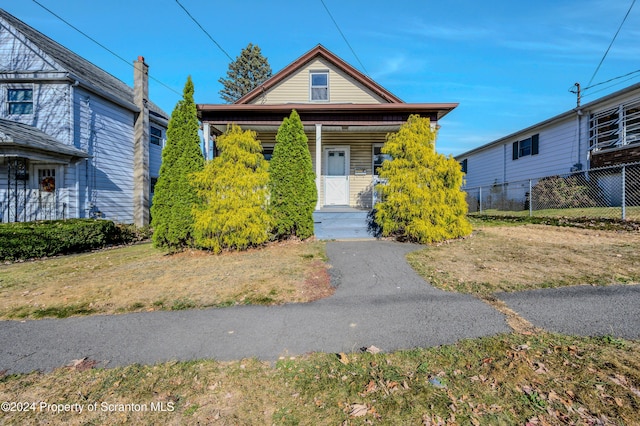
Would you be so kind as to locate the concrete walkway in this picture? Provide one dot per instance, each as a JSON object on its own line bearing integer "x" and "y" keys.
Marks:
{"x": 379, "y": 301}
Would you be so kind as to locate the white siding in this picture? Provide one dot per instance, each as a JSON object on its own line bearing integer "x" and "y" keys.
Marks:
{"x": 17, "y": 53}
{"x": 342, "y": 88}
{"x": 105, "y": 131}
{"x": 558, "y": 152}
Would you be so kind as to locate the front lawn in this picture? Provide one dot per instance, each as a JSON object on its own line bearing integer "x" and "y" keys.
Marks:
{"x": 141, "y": 278}
{"x": 515, "y": 379}
{"x": 512, "y": 258}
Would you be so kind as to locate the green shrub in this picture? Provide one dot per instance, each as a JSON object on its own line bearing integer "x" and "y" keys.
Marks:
{"x": 174, "y": 196}
{"x": 26, "y": 240}
{"x": 556, "y": 192}
{"x": 292, "y": 182}
{"x": 421, "y": 200}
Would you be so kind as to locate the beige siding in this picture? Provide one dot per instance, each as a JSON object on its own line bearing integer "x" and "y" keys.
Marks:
{"x": 361, "y": 161}
{"x": 342, "y": 88}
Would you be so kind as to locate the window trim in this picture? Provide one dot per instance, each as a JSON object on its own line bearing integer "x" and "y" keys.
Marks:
{"x": 373, "y": 158}
{"x": 152, "y": 137}
{"x": 519, "y": 147}
{"x": 311, "y": 85}
{"x": 10, "y": 102}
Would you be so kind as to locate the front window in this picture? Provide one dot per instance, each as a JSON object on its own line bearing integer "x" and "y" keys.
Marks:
{"x": 267, "y": 152}
{"x": 378, "y": 159}
{"x": 20, "y": 101}
{"x": 320, "y": 86}
{"x": 47, "y": 180}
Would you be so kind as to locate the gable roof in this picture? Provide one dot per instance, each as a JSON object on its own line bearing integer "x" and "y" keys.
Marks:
{"x": 87, "y": 74}
{"x": 16, "y": 136}
{"x": 319, "y": 52}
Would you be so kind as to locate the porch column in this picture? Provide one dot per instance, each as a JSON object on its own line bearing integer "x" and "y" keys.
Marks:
{"x": 318, "y": 163}
{"x": 206, "y": 131}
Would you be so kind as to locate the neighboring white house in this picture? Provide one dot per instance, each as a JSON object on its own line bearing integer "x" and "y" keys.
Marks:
{"x": 74, "y": 140}
{"x": 601, "y": 133}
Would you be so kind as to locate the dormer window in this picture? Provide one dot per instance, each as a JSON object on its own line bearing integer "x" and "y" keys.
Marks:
{"x": 319, "y": 85}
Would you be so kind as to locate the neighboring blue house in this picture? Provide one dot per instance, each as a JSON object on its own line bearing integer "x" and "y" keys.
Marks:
{"x": 74, "y": 140}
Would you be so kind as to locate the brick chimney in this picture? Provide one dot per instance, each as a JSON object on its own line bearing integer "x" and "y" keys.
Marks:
{"x": 141, "y": 184}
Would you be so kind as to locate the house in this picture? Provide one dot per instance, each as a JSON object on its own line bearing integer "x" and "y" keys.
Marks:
{"x": 346, "y": 117}
{"x": 602, "y": 133}
{"x": 74, "y": 141}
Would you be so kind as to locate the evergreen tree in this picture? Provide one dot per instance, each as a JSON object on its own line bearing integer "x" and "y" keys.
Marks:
{"x": 233, "y": 190}
{"x": 247, "y": 72}
{"x": 174, "y": 197}
{"x": 292, "y": 183}
{"x": 422, "y": 199}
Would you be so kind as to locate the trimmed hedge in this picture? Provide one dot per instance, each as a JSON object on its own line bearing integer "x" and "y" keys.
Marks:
{"x": 26, "y": 240}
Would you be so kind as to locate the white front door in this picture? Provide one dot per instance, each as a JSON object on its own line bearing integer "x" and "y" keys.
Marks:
{"x": 336, "y": 180}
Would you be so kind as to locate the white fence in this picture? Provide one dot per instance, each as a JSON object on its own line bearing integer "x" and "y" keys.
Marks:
{"x": 609, "y": 192}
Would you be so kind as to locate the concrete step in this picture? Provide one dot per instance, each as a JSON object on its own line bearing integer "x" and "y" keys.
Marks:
{"x": 341, "y": 225}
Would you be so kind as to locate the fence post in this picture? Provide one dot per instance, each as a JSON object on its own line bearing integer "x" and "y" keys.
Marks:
{"x": 530, "y": 200}
{"x": 624, "y": 184}
{"x": 480, "y": 198}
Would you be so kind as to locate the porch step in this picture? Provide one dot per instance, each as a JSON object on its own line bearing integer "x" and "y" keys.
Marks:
{"x": 336, "y": 224}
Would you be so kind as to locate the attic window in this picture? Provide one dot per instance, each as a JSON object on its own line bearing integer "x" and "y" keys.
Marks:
{"x": 20, "y": 101}
{"x": 319, "y": 85}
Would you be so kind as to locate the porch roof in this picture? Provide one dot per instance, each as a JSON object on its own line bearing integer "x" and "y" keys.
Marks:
{"x": 326, "y": 114}
{"x": 22, "y": 140}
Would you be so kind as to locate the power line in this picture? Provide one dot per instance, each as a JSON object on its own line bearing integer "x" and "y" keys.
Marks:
{"x": 608, "y": 87}
{"x": 101, "y": 45}
{"x": 611, "y": 44}
{"x": 345, "y": 38}
{"x": 203, "y": 30}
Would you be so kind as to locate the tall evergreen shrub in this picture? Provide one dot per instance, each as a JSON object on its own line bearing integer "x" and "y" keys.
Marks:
{"x": 233, "y": 191}
{"x": 174, "y": 197}
{"x": 292, "y": 183}
{"x": 421, "y": 199}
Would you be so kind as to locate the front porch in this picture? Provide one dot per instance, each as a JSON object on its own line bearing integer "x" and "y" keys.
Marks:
{"x": 341, "y": 223}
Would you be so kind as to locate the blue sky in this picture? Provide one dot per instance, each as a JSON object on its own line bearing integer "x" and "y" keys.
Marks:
{"x": 509, "y": 64}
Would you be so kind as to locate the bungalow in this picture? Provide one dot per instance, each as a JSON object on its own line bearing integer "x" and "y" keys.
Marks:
{"x": 346, "y": 117}
{"x": 74, "y": 141}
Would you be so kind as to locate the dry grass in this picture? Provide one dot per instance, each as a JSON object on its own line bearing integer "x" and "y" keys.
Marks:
{"x": 541, "y": 379}
{"x": 510, "y": 258}
{"x": 139, "y": 278}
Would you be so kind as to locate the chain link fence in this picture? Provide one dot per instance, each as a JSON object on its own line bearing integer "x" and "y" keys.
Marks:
{"x": 610, "y": 192}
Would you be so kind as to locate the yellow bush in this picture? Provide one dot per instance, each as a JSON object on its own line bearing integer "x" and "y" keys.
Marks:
{"x": 233, "y": 189}
{"x": 421, "y": 200}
